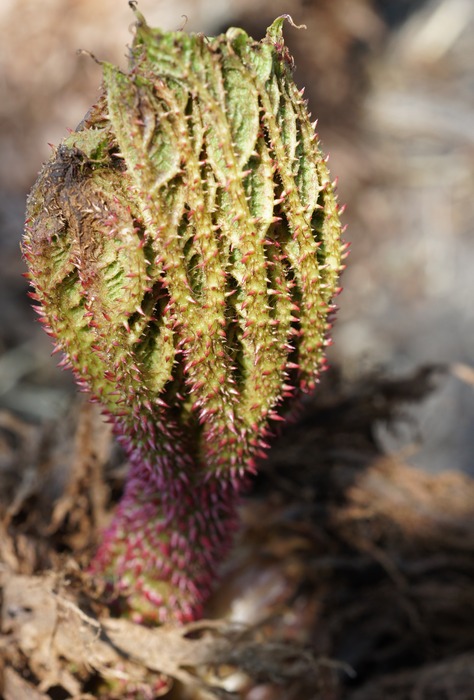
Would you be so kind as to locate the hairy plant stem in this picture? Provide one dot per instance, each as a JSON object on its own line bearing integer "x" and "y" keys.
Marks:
{"x": 172, "y": 528}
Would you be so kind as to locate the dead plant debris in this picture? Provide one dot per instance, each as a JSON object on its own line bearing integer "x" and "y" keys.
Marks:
{"x": 351, "y": 579}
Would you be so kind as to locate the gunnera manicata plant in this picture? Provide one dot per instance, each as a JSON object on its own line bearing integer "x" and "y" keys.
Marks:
{"x": 184, "y": 247}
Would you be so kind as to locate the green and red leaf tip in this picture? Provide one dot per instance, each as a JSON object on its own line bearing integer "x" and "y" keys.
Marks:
{"x": 184, "y": 245}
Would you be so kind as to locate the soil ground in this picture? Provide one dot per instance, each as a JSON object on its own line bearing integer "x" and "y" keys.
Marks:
{"x": 351, "y": 577}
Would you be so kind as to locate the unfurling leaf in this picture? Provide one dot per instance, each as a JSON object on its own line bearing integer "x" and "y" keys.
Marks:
{"x": 184, "y": 244}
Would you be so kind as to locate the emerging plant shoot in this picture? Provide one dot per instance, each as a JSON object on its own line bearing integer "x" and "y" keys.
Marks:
{"x": 184, "y": 246}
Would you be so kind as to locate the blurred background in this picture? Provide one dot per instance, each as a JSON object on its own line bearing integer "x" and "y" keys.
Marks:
{"x": 392, "y": 85}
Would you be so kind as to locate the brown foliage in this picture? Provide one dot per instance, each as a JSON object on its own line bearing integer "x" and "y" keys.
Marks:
{"x": 351, "y": 577}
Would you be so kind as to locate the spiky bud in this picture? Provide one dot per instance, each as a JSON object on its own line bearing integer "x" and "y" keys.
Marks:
{"x": 184, "y": 245}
